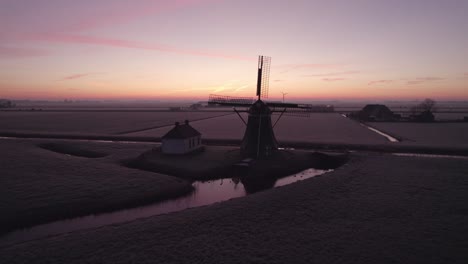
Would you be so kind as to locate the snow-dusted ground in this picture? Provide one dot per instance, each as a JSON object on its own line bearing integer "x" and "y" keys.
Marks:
{"x": 449, "y": 116}
{"x": 376, "y": 209}
{"x": 39, "y": 185}
{"x": 92, "y": 122}
{"x": 319, "y": 127}
{"x": 427, "y": 134}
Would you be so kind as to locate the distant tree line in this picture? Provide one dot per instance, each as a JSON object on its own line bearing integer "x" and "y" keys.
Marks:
{"x": 6, "y": 103}
{"x": 428, "y": 105}
{"x": 423, "y": 112}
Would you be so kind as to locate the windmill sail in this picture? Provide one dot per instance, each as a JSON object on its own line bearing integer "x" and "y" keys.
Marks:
{"x": 215, "y": 99}
{"x": 263, "y": 76}
{"x": 259, "y": 138}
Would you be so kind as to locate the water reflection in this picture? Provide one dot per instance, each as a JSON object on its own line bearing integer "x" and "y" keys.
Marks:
{"x": 205, "y": 193}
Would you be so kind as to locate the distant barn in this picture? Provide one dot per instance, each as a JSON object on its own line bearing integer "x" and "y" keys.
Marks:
{"x": 181, "y": 139}
{"x": 376, "y": 112}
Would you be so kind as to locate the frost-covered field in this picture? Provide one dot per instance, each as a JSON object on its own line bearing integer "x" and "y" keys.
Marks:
{"x": 428, "y": 134}
{"x": 92, "y": 122}
{"x": 318, "y": 127}
{"x": 38, "y": 185}
{"x": 449, "y": 116}
{"x": 376, "y": 209}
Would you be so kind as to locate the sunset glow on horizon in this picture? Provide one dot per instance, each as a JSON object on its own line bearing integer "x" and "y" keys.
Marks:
{"x": 188, "y": 49}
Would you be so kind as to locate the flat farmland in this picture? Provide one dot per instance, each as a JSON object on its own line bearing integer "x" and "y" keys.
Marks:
{"x": 39, "y": 185}
{"x": 429, "y": 134}
{"x": 92, "y": 122}
{"x": 319, "y": 127}
{"x": 449, "y": 116}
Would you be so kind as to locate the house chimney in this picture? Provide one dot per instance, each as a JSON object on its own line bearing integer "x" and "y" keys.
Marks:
{"x": 186, "y": 122}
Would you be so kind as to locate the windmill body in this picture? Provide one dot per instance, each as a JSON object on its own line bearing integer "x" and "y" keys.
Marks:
{"x": 259, "y": 138}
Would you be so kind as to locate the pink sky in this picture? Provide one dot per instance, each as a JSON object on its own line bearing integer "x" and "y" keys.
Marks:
{"x": 144, "y": 49}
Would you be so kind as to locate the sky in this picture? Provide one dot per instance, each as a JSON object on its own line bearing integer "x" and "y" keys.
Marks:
{"x": 188, "y": 49}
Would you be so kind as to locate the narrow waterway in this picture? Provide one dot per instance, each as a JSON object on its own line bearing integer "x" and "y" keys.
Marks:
{"x": 388, "y": 137}
{"x": 205, "y": 193}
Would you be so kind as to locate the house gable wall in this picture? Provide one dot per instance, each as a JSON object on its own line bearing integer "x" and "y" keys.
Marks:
{"x": 180, "y": 146}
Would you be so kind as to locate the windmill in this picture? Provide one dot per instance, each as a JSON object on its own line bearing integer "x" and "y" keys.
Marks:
{"x": 283, "y": 95}
{"x": 259, "y": 139}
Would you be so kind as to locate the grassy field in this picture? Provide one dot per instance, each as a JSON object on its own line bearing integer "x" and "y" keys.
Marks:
{"x": 449, "y": 116}
{"x": 316, "y": 128}
{"x": 428, "y": 134}
{"x": 39, "y": 185}
{"x": 319, "y": 128}
{"x": 376, "y": 209}
{"x": 92, "y": 122}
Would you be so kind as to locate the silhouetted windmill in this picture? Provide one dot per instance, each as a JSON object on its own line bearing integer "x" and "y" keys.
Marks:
{"x": 259, "y": 139}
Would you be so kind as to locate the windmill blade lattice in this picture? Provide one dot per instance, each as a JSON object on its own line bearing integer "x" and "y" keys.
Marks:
{"x": 263, "y": 76}
{"x": 265, "y": 63}
{"x": 287, "y": 111}
{"x": 215, "y": 99}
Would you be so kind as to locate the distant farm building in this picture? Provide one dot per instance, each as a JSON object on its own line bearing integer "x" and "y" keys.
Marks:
{"x": 376, "y": 112}
{"x": 425, "y": 116}
{"x": 181, "y": 139}
{"x": 196, "y": 106}
{"x": 6, "y": 103}
{"x": 175, "y": 108}
{"x": 322, "y": 108}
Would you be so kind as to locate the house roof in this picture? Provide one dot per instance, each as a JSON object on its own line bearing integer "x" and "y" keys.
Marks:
{"x": 182, "y": 131}
{"x": 376, "y": 110}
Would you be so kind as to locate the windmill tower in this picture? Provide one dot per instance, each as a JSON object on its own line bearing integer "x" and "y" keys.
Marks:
{"x": 259, "y": 137}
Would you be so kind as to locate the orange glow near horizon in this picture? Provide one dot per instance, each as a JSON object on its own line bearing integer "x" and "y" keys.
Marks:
{"x": 326, "y": 94}
{"x": 188, "y": 49}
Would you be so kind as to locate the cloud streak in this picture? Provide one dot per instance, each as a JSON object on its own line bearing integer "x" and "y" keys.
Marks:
{"x": 297, "y": 66}
{"x": 176, "y": 91}
{"x": 424, "y": 80}
{"x": 380, "y": 82}
{"x": 13, "y": 52}
{"x": 332, "y": 74}
{"x": 123, "y": 12}
{"x": 81, "y": 16}
{"x": 232, "y": 86}
{"x": 119, "y": 43}
{"x": 77, "y": 76}
{"x": 333, "y": 79}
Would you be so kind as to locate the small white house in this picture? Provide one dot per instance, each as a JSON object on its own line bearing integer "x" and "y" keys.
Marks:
{"x": 181, "y": 139}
